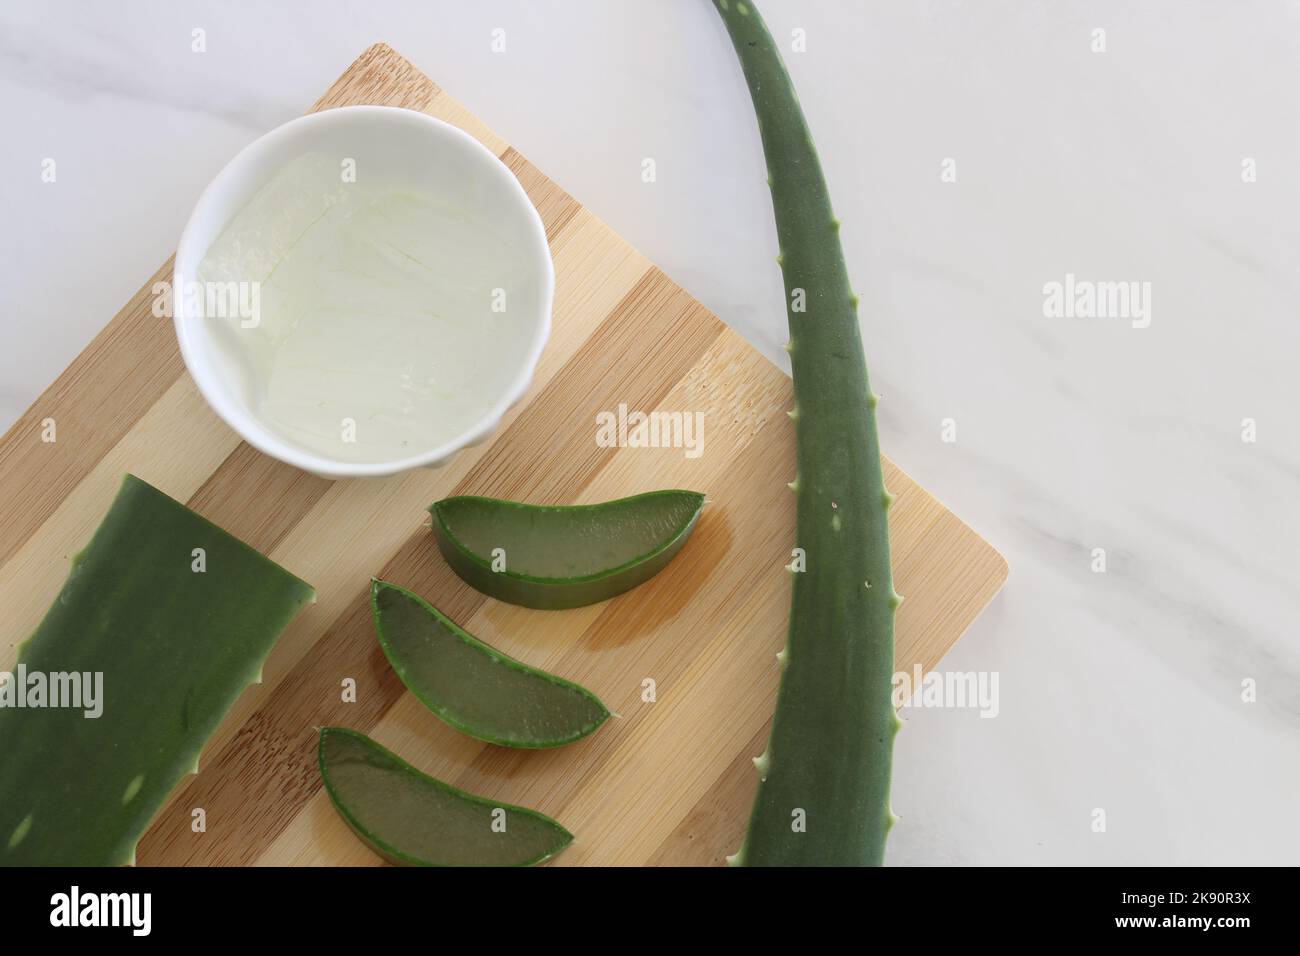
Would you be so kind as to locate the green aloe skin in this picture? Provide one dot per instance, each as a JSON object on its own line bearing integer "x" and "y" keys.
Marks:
{"x": 473, "y": 687}
{"x": 176, "y": 637}
{"x": 823, "y": 795}
{"x": 412, "y": 819}
{"x": 562, "y": 556}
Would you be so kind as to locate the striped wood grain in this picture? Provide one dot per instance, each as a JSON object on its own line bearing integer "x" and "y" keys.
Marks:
{"x": 668, "y": 781}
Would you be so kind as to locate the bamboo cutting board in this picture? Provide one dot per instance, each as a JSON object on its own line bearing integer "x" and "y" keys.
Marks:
{"x": 667, "y": 782}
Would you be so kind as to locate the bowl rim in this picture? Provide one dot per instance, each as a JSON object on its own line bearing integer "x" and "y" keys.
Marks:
{"x": 216, "y": 391}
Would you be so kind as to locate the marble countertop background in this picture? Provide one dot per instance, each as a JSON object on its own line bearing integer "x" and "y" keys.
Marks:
{"x": 1170, "y": 158}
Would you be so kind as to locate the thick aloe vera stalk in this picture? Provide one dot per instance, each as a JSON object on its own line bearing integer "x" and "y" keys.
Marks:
{"x": 175, "y": 646}
{"x": 823, "y": 795}
{"x": 474, "y": 687}
{"x": 412, "y": 819}
{"x": 563, "y": 556}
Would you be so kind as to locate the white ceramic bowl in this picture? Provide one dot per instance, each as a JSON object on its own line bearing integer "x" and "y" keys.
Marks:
{"x": 393, "y": 145}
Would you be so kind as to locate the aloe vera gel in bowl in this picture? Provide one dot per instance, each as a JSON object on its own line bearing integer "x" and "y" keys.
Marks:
{"x": 376, "y": 299}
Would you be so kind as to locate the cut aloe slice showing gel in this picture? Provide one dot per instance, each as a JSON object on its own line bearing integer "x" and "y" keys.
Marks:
{"x": 169, "y": 618}
{"x": 562, "y": 556}
{"x": 411, "y": 819}
{"x": 473, "y": 687}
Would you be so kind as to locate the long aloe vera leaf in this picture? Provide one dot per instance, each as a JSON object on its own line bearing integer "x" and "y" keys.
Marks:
{"x": 474, "y": 687}
{"x": 563, "y": 556}
{"x": 175, "y": 646}
{"x": 412, "y": 819}
{"x": 823, "y": 794}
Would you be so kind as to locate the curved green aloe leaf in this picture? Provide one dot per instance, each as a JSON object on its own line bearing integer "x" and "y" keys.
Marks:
{"x": 562, "y": 556}
{"x": 828, "y": 758}
{"x": 474, "y": 687}
{"x": 411, "y": 819}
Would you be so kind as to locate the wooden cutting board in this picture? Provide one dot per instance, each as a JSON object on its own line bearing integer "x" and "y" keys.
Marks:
{"x": 667, "y": 782}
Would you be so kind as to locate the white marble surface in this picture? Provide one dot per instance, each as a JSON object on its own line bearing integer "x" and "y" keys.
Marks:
{"x": 1119, "y": 690}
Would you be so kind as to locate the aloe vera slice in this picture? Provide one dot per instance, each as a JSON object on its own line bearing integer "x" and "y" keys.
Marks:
{"x": 562, "y": 556}
{"x": 175, "y": 646}
{"x": 474, "y": 687}
{"x": 412, "y": 819}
